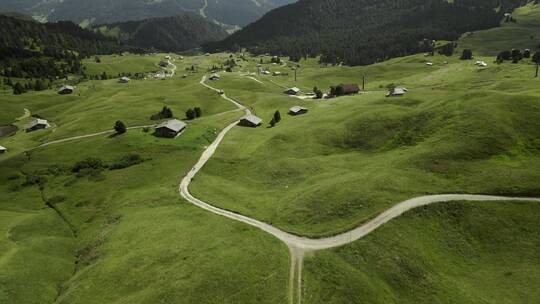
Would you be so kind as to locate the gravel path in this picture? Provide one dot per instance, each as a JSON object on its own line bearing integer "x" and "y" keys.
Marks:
{"x": 298, "y": 245}
{"x": 88, "y": 135}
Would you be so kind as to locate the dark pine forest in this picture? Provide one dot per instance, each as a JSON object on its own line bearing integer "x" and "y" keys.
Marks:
{"x": 360, "y": 32}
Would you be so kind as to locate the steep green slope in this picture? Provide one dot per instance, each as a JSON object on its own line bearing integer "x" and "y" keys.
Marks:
{"x": 449, "y": 253}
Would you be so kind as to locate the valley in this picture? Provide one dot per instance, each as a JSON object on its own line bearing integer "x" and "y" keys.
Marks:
{"x": 430, "y": 197}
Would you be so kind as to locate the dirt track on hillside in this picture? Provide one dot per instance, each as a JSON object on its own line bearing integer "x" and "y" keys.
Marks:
{"x": 298, "y": 245}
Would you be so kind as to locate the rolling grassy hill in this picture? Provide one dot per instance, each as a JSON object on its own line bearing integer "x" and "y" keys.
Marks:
{"x": 451, "y": 253}
{"x": 106, "y": 238}
{"x": 523, "y": 34}
{"x": 110, "y": 236}
{"x": 459, "y": 129}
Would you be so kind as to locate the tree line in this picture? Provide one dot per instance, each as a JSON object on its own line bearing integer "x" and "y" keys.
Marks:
{"x": 360, "y": 32}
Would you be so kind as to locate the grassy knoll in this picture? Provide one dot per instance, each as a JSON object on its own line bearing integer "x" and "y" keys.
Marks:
{"x": 113, "y": 65}
{"x": 460, "y": 129}
{"x": 134, "y": 237}
{"x": 98, "y": 104}
{"x": 524, "y": 34}
{"x": 449, "y": 253}
{"x": 123, "y": 234}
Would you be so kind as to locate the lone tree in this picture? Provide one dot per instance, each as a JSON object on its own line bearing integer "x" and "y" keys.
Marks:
{"x": 198, "y": 112}
{"x": 190, "y": 114}
{"x": 120, "y": 127}
{"x": 504, "y": 55}
{"x": 467, "y": 54}
{"x": 18, "y": 89}
{"x": 516, "y": 55}
{"x": 318, "y": 93}
{"x": 536, "y": 60}
{"x": 277, "y": 116}
{"x": 166, "y": 112}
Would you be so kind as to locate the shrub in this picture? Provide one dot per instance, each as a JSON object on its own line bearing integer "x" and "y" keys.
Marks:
{"x": 318, "y": 93}
{"x": 127, "y": 161}
{"x": 166, "y": 112}
{"x": 536, "y": 58}
{"x": 505, "y": 55}
{"x": 467, "y": 54}
{"x": 190, "y": 114}
{"x": 34, "y": 179}
{"x": 120, "y": 127}
{"x": 89, "y": 163}
{"x": 56, "y": 200}
{"x": 198, "y": 112}
{"x": 516, "y": 55}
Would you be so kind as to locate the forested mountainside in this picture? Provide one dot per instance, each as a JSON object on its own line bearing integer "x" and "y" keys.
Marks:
{"x": 178, "y": 33}
{"x": 29, "y": 49}
{"x": 232, "y": 12}
{"x": 359, "y": 32}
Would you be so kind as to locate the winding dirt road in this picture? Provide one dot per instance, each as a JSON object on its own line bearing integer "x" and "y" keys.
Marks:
{"x": 299, "y": 245}
{"x": 88, "y": 135}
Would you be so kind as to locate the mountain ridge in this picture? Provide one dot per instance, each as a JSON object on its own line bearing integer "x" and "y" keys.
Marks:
{"x": 232, "y": 12}
{"x": 176, "y": 33}
{"x": 359, "y": 32}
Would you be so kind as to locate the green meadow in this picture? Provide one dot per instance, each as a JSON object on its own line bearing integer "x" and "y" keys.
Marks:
{"x": 125, "y": 235}
{"x": 523, "y": 34}
{"x": 449, "y": 253}
{"x": 460, "y": 129}
{"x": 119, "y": 232}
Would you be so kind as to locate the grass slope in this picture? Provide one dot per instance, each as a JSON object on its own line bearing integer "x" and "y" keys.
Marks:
{"x": 449, "y": 253}
{"x": 460, "y": 129}
{"x": 123, "y": 234}
{"x": 521, "y": 35}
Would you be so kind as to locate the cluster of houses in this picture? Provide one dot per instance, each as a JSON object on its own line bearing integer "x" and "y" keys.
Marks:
{"x": 346, "y": 89}
{"x": 252, "y": 121}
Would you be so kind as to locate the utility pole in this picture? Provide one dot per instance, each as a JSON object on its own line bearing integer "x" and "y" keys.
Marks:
{"x": 537, "y": 65}
{"x": 295, "y": 74}
{"x": 363, "y": 82}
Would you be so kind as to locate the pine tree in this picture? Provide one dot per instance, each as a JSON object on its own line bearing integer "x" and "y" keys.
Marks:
{"x": 277, "y": 116}
{"x": 198, "y": 112}
{"x": 18, "y": 89}
{"x": 190, "y": 114}
{"x": 467, "y": 54}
